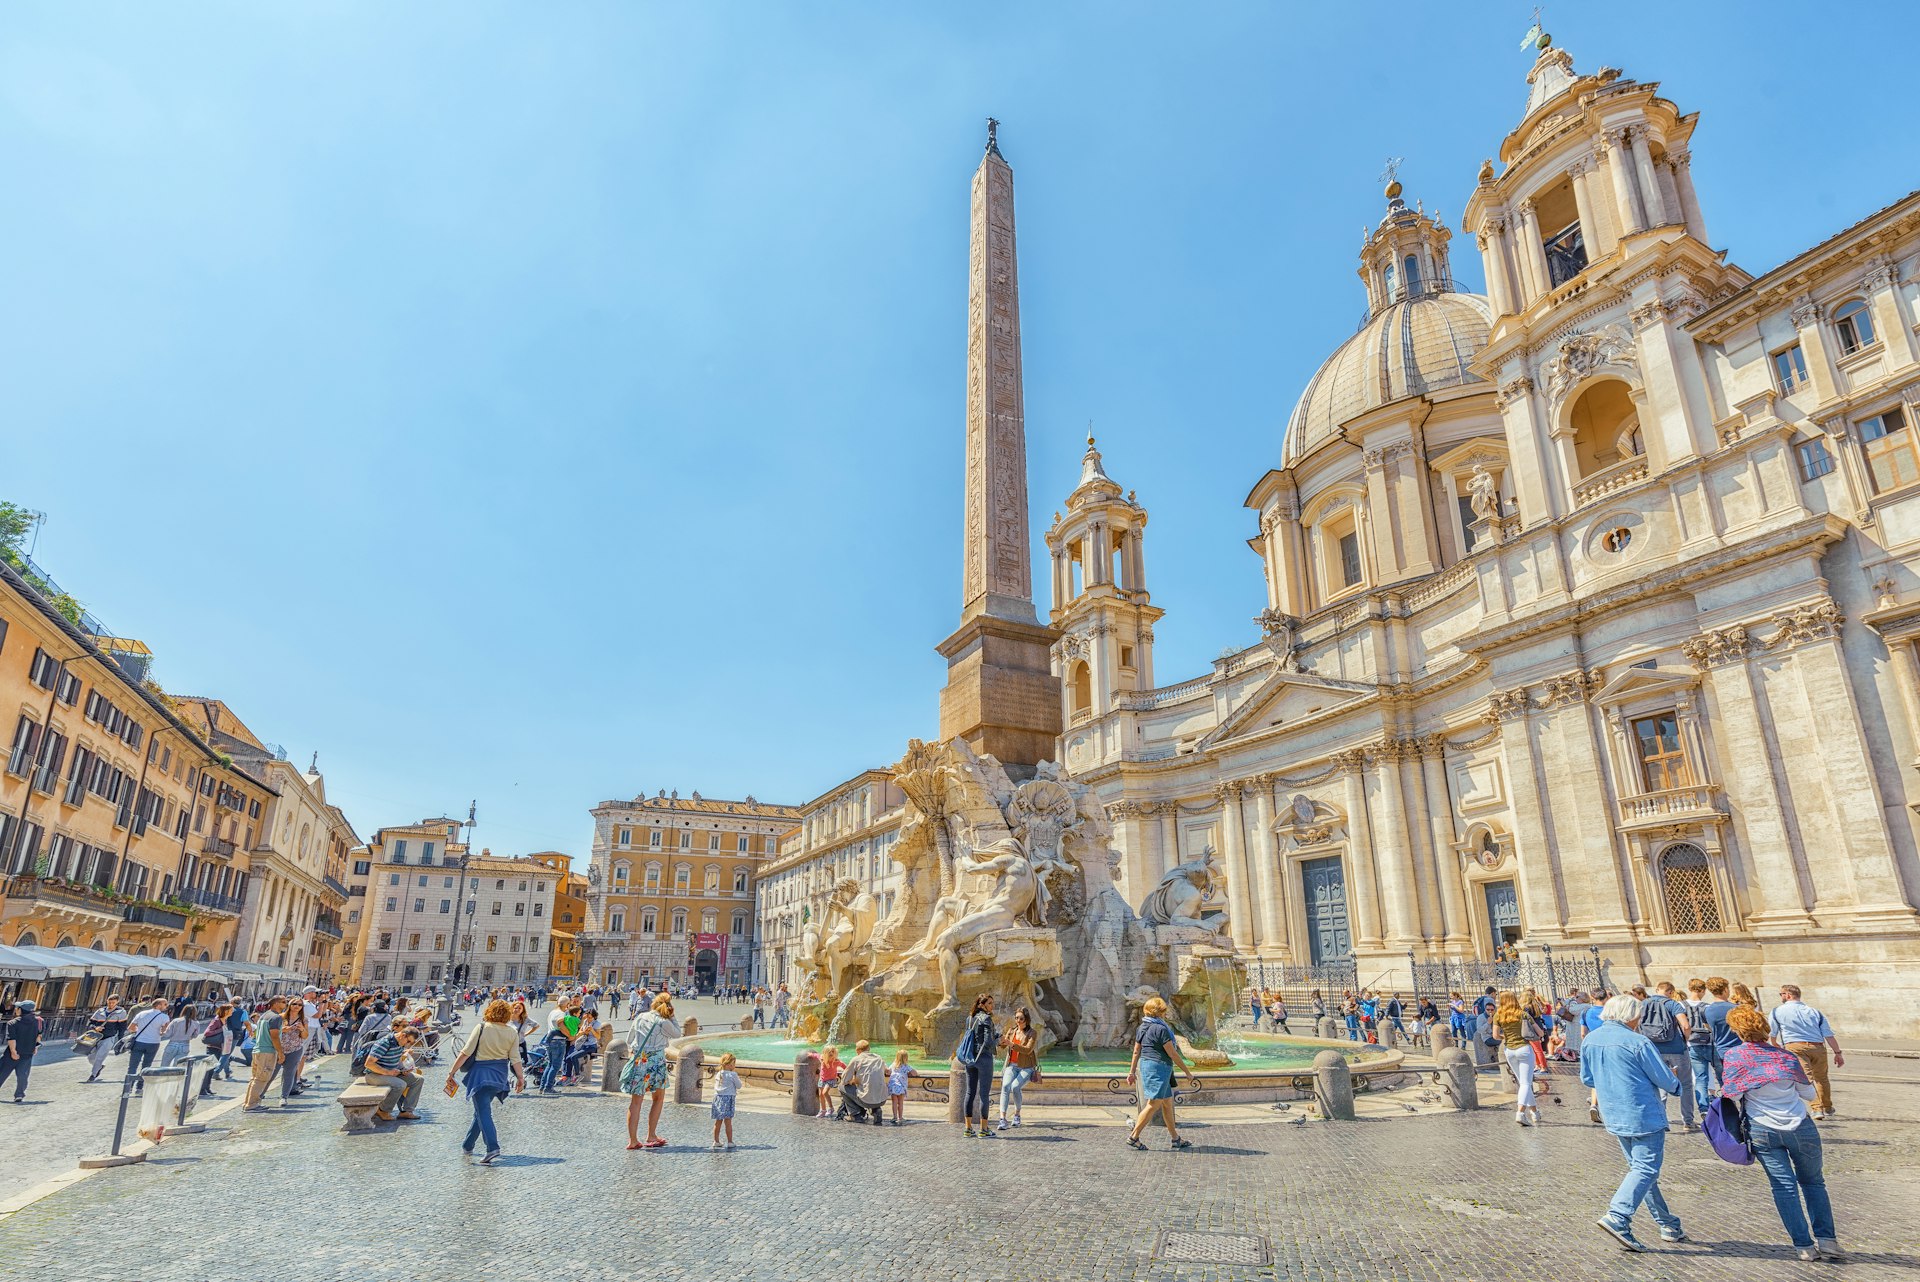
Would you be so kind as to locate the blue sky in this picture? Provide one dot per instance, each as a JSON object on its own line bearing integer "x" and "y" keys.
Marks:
{"x": 542, "y": 404}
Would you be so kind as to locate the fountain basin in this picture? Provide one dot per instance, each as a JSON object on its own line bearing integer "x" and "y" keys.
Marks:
{"x": 1273, "y": 1068}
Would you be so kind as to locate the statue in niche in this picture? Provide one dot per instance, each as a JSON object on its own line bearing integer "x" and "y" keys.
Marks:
{"x": 1483, "y": 493}
{"x": 1181, "y": 896}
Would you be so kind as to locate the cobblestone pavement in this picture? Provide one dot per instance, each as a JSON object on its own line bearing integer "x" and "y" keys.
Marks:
{"x": 1446, "y": 1196}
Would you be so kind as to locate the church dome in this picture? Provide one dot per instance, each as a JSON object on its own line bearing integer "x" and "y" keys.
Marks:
{"x": 1416, "y": 345}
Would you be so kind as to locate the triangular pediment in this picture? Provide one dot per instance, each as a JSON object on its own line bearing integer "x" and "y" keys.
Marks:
{"x": 1282, "y": 699}
{"x": 1637, "y": 683}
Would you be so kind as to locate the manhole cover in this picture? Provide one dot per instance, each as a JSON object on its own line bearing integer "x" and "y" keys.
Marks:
{"x": 1192, "y": 1247}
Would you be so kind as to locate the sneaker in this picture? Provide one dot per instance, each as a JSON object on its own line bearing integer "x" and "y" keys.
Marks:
{"x": 1016, "y": 1119}
{"x": 1002, "y": 1126}
{"x": 493, "y": 1155}
{"x": 1829, "y": 1249}
{"x": 1594, "y": 1113}
{"x": 986, "y": 1134}
{"x": 1522, "y": 1119}
{"x": 968, "y": 1133}
{"x": 716, "y": 1146}
{"x": 1621, "y": 1234}
{"x": 1674, "y": 1235}
{"x": 1808, "y": 1253}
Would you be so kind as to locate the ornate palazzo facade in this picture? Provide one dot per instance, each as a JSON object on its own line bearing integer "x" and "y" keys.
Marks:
{"x": 1590, "y": 604}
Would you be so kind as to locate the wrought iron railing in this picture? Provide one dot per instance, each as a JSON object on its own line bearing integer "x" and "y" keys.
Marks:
{"x": 211, "y": 900}
{"x": 1334, "y": 976}
{"x": 335, "y": 885}
{"x": 154, "y": 915}
{"x": 1546, "y": 975}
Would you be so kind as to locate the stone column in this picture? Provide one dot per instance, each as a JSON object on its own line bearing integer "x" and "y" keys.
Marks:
{"x": 1533, "y": 847}
{"x": 1534, "y": 250}
{"x": 1496, "y": 265}
{"x": 1267, "y": 882}
{"x": 1682, "y": 163}
{"x": 1439, "y": 807}
{"x": 1619, "y": 165}
{"x": 1645, "y": 180}
{"x": 1392, "y": 844}
{"x": 1169, "y": 837}
{"x": 1234, "y": 852}
{"x": 1364, "y": 903}
{"x": 1583, "y": 809}
{"x": 1583, "y": 202}
{"x": 1895, "y": 330}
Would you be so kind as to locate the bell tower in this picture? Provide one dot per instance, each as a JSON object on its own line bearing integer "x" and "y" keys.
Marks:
{"x": 1101, "y": 606}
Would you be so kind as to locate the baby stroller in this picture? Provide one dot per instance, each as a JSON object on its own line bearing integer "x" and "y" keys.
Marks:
{"x": 535, "y": 1058}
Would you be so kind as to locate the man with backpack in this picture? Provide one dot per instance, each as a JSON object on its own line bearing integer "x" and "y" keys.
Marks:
{"x": 1665, "y": 1024}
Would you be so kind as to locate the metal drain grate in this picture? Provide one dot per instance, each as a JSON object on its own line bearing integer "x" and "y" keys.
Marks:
{"x": 1190, "y": 1246}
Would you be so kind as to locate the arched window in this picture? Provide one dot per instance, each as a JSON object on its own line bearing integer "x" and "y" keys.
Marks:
{"x": 679, "y": 921}
{"x": 1606, "y": 427}
{"x": 683, "y": 875}
{"x": 653, "y": 876}
{"x": 617, "y": 921}
{"x": 739, "y": 923}
{"x": 713, "y": 877}
{"x": 649, "y": 918}
{"x": 1412, "y": 266}
{"x": 1388, "y": 282}
{"x": 1082, "y": 688}
{"x": 1686, "y": 884}
{"x": 27, "y": 939}
{"x": 739, "y": 879}
{"x": 621, "y": 872}
{"x": 66, "y": 941}
{"x": 1854, "y": 323}
{"x": 709, "y": 921}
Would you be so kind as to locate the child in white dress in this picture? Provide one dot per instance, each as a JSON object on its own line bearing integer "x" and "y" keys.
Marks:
{"x": 897, "y": 1078}
{"x": 726, "y": 1088}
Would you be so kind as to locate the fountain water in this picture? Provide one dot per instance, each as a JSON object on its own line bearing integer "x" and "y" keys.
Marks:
{"x": 837, "y": 1024}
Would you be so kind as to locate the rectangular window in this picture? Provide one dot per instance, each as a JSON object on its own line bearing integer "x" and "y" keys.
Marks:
{"x": 446, "y": 905}
{"x": 419, "y": 905}
{"x": 686, "y": 841}
{"x": 361, "y": 867}
{"x": 43, "y": 671}
{"x": 496, "y": 908}
{"x": 1566, "y": 255}
{"x": 400, "y": 851}
{"x": 386, "y": 940}
{"x": 426, "y": 852}
{"x": 1350, "y": 558}
{"x": 1888, "y": 447}
{"x": 1663, "y": 763}
{"x": 1789, "y": 369}
{"x": 653, "y": 839}
{"x": 1814, "y": 459}
{"x": 413, "y": 943}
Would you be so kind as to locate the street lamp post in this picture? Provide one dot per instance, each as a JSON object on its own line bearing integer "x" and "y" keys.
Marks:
{"x": 1553, "y": 988}
{"x": 1413, "y": 978}
{"x": 1595, "y": 950}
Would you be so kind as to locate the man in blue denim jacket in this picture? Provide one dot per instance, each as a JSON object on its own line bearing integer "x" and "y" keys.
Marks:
{"x": 1628, "y": 1076}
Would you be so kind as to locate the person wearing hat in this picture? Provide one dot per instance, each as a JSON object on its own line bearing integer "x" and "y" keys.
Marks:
{"x": 22, "y": 1039}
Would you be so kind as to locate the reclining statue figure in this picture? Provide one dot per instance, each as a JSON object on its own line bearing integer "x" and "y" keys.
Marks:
{"x": 1180, "y": 897}
{"x": 960, "y": 919}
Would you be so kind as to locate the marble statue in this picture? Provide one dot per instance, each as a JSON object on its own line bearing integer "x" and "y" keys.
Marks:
{"x": 1005, "y": 901}
{"x": 845, "y": 926}
{"x": 1180, "y": 898}
{"x": 1483, "y": 494}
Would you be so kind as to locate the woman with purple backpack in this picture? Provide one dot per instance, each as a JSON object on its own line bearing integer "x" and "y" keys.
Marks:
{"x": 1773, "y": 1090}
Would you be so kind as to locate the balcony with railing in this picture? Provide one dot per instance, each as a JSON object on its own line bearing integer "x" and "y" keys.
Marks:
{"x": 155, "y": 917}
{"x": 1618, "y": 476}
{"x": 97, "y": 903}
{"x": 323, "y": 925}
{"x": 1668, "y": 806}
{"x": 219, "y": 847}
{"x": 334, "y": 887}
{"x": 210, "y": 901}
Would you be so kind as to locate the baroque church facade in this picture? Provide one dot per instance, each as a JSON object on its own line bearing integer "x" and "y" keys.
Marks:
{"x": 1589, "y": 604}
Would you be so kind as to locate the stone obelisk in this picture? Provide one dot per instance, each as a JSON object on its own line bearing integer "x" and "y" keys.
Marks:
{"x": 1001, "y": 696}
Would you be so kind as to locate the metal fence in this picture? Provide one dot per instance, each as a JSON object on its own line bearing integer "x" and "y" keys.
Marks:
{"x": 1335, "y": 976}
{"x": 1551, "y": 976}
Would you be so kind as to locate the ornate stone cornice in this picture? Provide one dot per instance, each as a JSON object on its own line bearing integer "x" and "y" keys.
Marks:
{"x": 1352, "y": 760}
{"x": 1718, "y": 646}
{"x": 1806, "y": 313}
{"x": 1508, "y": 705}
{"x": 1512, "y": 391}
{"x": 1815, "y": 621}
{"x": 1882, "y": 273}
{"x": 1382, "y": 455}
{"x": 1570, "y": 687}
{"x": 1229, "y": 789}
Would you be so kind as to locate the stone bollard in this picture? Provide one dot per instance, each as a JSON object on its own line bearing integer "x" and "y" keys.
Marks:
{"x": 1482, "y": 1053}
{"x": 1457, "y": 1078}
{"x": 1438, "y": 1039}
{"x": 956, "y": 1095}
{"x": 689, "y": 1026}
{"x": 1389, "y": 1036}
{"x": 1330, "y": 1028}
{"x": 687, "y": 1064}
{"x": 806, "y": 1084}
{"x": 746, "y": 1023}
{"x": 613, "y": 1061}
{"x": 1333, "y": 1086}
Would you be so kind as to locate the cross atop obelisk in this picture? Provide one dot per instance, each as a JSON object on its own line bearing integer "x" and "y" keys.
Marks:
{"x": 998, "y": 577}
{"x": 1001, "y": 696}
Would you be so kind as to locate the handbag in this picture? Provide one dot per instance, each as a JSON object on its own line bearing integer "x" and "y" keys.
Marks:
{"x": 1036, "y": 1072}
{"x": 1727, "y": 1131}
{"x": 87, "y": 1040}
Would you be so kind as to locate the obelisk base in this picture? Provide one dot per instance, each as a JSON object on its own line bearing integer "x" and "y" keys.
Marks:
{"x": 1001, "y": 695}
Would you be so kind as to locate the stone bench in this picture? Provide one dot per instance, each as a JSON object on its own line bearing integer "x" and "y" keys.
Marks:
{"x": 359, "y": 1102}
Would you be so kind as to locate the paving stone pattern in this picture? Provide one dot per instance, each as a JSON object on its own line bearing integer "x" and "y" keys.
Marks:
{"x": 1429, "y": 1197}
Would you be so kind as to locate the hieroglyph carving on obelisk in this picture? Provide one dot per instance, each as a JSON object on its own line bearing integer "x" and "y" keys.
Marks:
{"x": 999, "y": 569}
